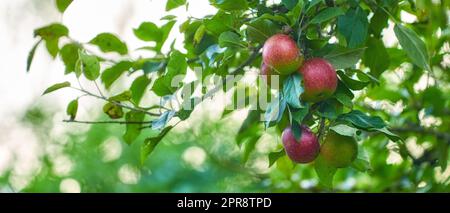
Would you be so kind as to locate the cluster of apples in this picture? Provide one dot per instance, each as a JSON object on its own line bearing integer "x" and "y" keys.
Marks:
{"x": 281, "y": 56}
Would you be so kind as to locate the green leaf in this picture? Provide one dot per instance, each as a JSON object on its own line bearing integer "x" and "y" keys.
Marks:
{"x": 162, "y": 121}
{"x": 328, "y": 109}
{"x": 292, "y": 89}
{"x": 376, "y": 56}
{"x": 327, "y": 14}
{"x": 230, "y": 39}
{"x": 249, "y": 147}
{"x": 443, "y": 155}
{"x": 290, "y": 4}
{"x": 341, "y": 57}
{"x": 198, "y": 36}
{"x": 152, "y": 66}
{"x": 354, "y": 27}
{"x": 31, "y": 54}
{"x": 133, "y": 129}
{"x": 259, "y": 30}
{"x": 220, "y": 23}
{"x": 274, "y": 156}
{"x": 414, "y": 47}
{"x": 52, "y": 31}
{"x": 172, "y": 4}
{"x": 299, "y": 114}
{"x": 72, "y": 109}
{"x": 344, "y": 130}
{"x": 150, "y": 143}
{"x": 108, "y": 42}
{"x": 312, "y": 3}
{"x": 88, "y": 65}
{"x": 230, "y": 5}
{"x": 352, "y": 83}
{"x": 392, "y": 136}
{"x": 325, "y": 172}
{"x": 112, "y": 110}
{"x": 62, "y": 5}
{"x": 378, "y": 22}
{"x": 69, "y": 55}
{"x": 56, "y": 87}
{"x": 148, "y": 31}
{"x": 274, "y": 111}
{"x": 296, "y": 131}
{"x": 344, "y": 95}
{"x": 138, "y": 88}
{"x": 177, "y": 65}
{"x": 51, "y": 34}
{"x": 362, "y": 163}
{"x": 124, "y": 96}
{"x": 250, "y": 128}
{"x": 110, "y": 75}
{"x": 362, "y": 121}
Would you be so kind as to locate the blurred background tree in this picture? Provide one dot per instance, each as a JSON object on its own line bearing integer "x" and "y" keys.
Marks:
{"x": 201, "y": 154}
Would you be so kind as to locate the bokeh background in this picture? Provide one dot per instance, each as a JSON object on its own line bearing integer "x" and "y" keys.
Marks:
{"x": 40, "y": 153}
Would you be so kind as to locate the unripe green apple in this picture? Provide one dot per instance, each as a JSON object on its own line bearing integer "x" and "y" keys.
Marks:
{"x": 304, "y": 150}
{"x": 280, "y": 52}
{"x": 319, "y": 79}
{"x": 339, "y": 150}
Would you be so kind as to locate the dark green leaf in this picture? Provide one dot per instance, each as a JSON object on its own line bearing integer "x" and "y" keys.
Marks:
{"x": 250, "y": 128}
{"x": 344, "y": 95}
{"x": 108, "y": 42}
{"x": 296, "y": 131}
{"x": 352, "y": 83}
{"x": 62, "y": 5}
{"x": 150, "y": 143}
{"x": 110, "y": 75}
{"x": 378, "y": 22}
{"x": 72, "y": 109}
{"x": 176, "y": 66}
{"x": 414, "y": 47}
{"x": 312, "y": 3}
{"x": 31, "y": 54}
{"x": 289, "y": 4}
{"x": 220, "y": 23}
{"x": 354, "y": 26}
{"x": 133, "y": 129}
{"x": 259, "y": 30}
{"x": 56, "y": 87}
{"x": 327, "y": 14}
{"x": 274, "y": 156}
{"x": 363, "y": 121}
{"x": 230, "y": 39}
{"x": 376, "y": 56}
{"x": 172, "y": 4}
{"x": 341, "y": 57}
{"x": 299, "y": 114}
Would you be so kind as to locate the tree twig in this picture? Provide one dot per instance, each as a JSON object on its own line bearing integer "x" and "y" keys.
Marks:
{"x": 116, "y": 103}
{"x": 237, "y": 71}
{"x": 106, "y": 122}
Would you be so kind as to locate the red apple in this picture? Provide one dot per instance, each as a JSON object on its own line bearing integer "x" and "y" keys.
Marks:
{"x": 319, "y": 78}
{"x": 303, "y": 151}
{"x": 280, "y": 52}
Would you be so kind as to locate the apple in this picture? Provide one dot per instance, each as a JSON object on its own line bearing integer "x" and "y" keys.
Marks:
{"x": 280, "y": 52}
{"x": 338, "y": 150}
{"x": 319, "y": 79}
{"x": 304, "y": 150}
